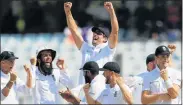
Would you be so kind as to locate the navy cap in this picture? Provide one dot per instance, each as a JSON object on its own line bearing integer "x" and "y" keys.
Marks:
{"x": 90, "y": 66}
{"x": 105, "y": 31}
{"x": 150, "y": 58}
{"x": 7, "y": 55}
{"x": 111, "y": 66}
{"x": 162, "y": 50}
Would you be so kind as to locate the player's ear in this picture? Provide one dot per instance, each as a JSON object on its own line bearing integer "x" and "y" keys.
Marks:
{"x": 105, "y": 39}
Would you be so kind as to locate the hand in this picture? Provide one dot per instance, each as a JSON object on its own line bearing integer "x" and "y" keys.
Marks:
{"x": 172, "y": 48}
{"x": 113, "y": 79}
{"x": 27, "y": 69}
{"x": 33, "y": 61}
{"x": 61, "y": 64}
{"x": 67, "y": 6}
{"x": 120, "y": 80}
{"x": 164, "y": 74}
{"x": 108, "y": 6}
{"x": 13, "y": 76}
{"x": 69, "y": 97}
{"x": 86, "y": 88}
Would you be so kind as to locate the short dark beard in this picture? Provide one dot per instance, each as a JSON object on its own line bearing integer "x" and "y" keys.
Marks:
{"x": 87, "y": 79}
{"x": 44, "y": 69}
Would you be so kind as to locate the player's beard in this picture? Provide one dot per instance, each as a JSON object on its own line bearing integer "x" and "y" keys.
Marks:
{"x": 45, "y": 69}
{"x": 87, "y": 79}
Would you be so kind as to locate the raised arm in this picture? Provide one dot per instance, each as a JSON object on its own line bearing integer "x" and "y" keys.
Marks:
{"x": 89, "y": 99}
{"x": 72, "y": 25}
{"x": 125, "y": 90}
{"x": 113, "y": 38}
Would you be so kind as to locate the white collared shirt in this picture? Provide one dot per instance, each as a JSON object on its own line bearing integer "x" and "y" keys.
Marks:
{"x": 112, "y": 95}
{"x": 135, "y": 85}
{"x": 45, "y": 88}
{"x": 97, "y": 85}
{"x": 154, "y": 83}
{"x": 101, "y": 54}
{"x": 18, "y": 86}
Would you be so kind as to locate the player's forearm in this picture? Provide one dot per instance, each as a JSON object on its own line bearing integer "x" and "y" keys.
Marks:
{"x": 6, "y": 89}
{"x": 71, "y": 22}
{"x": 89, "y": 99}
{"x": 148, "y": 99}
{"x": 29, "y": 80}
{"x": 74, "y": 30}
{"x": 114, "y": 23}
{"x": 127, "y": 95}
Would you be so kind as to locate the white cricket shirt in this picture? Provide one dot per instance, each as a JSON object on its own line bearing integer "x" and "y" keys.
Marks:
{"x": 154, "y": 83}
{"x": 18, "y": 86}
{"x": 112, "y": 95}
{"x": 45, "y": 88}
{"x": 101, "y": 54}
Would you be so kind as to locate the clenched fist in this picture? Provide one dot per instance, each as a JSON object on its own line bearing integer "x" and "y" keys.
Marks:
{"x": 13, "y": 76}
{"x": 172, "y": 48}
{"x": 67, "y": 6}
{"x": 27, "y": 68}
{"x": 164, "y": 74}
{"x": 108, "y": 6}
{"x": 86, "y": 88}
{"x": 61, "y": 64}
{"x": 33, "y": 61}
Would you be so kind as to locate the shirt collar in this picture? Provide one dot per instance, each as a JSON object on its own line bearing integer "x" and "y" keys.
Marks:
{"x": 98, "y": 78}
{"x": 100, "y": 46}
{"x": 4, "y": 75}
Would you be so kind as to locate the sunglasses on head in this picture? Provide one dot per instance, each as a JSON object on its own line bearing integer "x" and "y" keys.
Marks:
{"x": 98, "y": 32}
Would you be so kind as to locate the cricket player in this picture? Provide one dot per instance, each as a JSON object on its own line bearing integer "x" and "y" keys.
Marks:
{"x": 104, "y": 43}
{"x": 46, "y": 78}
{"x": 96, "y": 82}
{"x": 116, "y": 92}
{"x": 135, "y": 82}
{"x": 10, "y": 83}
{"x": 161, "y": 85}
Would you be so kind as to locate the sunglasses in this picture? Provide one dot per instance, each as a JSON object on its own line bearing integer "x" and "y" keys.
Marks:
{"x": 98, "y": 32}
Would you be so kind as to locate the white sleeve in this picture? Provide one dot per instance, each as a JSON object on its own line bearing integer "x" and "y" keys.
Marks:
{"x": 96, "y": 89}
{"x": 22, "y": 87}
{"x": 177, "y": 80}
{"x": 146, "y": 84}
{"x": 100, "y": 97}
{"x": 84, "y": 47}
{"x": 65, "y": 78}
{"x": 3, "y": 84}
{"x": 109, "y": 49}
{"x": 33, "y": 71}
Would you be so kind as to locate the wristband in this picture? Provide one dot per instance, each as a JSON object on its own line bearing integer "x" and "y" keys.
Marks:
{"x": 168, "y": 83}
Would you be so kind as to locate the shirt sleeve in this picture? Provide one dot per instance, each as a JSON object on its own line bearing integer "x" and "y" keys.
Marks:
{"x": 84, "y": 47}
{"x": 100, "y": 97}
{"x": 146, "y": 84}
{"x": 177, "y": 79}
{"x": 2, "y": 86}
{"x": 22, "y": 87}
{"x": 65, "y": 79}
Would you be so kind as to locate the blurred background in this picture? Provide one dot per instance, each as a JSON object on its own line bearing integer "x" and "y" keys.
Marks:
{"x": 25, "y": 25}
